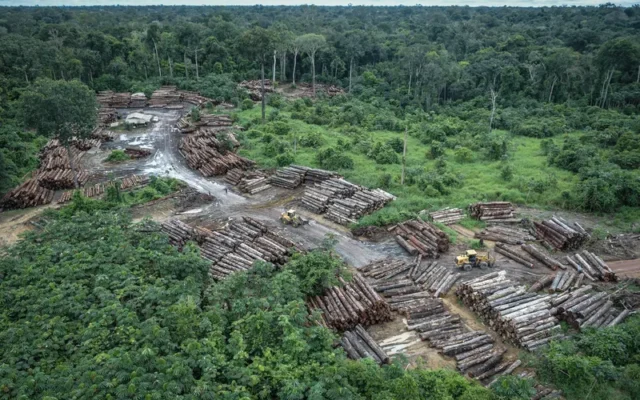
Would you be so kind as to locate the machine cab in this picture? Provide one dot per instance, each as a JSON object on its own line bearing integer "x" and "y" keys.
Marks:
{"x": 471, "y": 256}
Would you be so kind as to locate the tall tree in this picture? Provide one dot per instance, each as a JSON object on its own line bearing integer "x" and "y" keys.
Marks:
{"x": 66, "y": 110}
{"x": 258, "y": 43}
{"x": 310, "y": 44}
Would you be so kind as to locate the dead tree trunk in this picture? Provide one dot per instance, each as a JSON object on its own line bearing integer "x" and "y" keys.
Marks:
{"x": 494, "y": 97}
{"x": 273, "y": 80}
{"x": 295, "y": 58}
{"x": 262, "y": 92}
{"x": 404, "y": 156}
{"x": 350, "y": 73}
{"x": 155, "y": 46}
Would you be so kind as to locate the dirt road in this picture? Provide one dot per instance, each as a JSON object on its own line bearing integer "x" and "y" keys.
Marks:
{"x": 626, "y": 268}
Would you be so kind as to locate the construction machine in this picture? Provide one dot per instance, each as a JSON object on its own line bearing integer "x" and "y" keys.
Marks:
{"x": 472, "y": 258}
{"x": 290, "y": 217}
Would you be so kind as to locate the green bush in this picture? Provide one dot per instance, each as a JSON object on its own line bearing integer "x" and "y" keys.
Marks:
{"x": 333, "y": 159}
{"x": 247, "y": 104}
{"x": 117, "y": 156}
{"x": 396, "y": 144}
{"x": 313, "y": 140}
{"x": 463, "y": 155}
{"x": 436, "y": 150}
{"x": 285, "y": 159}
{"x": 317, "y": 271}
{"x": 383, "y": 154}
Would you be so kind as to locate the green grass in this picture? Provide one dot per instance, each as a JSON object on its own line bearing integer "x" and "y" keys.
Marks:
{"x": 481, "y": 179}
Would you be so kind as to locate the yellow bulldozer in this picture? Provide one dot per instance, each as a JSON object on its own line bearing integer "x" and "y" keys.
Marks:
{"x": 471, "y": 259}
{"x": 290, "y": 217}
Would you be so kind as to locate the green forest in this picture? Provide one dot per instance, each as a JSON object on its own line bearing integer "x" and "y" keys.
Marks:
{"x": 536, "y": 106}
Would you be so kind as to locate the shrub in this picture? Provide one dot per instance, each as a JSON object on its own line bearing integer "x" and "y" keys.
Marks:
{"x": 317, "y": 271}
{"x": 285, "y": 159}
{"x": 117, "y": 156}
{"x": 195, "y": 114}
{"x": 384, "y": 181}
{"x": 333, "y": 159}
{"x": 506, "y": 172}
{"x": 513, "y": 387}
{"x": 383, "y": 154}
{"x": 463, "y": 155}
{"x": 436, "y": 150}
{"x": 313, "y": 140}
{"x": 396, "y": 144}
{"x": 247, "y": 104}
{"x": 279, "y": 128}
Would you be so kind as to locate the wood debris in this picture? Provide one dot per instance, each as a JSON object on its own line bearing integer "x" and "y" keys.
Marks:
{"x": 521, "y": 317}
{"x": 251, "y": 182}
{"x": 126, "y": 183}
{"x": 356, "y": 302}
{"x": 359, "y": 344}
{"x": 447, "y": 216}
{"x": 420, "y": 237}
{"x": 218, "y": 121}
{"x": 561, "y": 234}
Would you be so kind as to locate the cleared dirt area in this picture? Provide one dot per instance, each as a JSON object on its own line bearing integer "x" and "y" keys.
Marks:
{"x": 626, "y": 268}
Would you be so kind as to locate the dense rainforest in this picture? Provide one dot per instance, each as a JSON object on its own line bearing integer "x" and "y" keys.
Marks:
{"x": 532, "y": 105}
{"x": 537, "y": 106}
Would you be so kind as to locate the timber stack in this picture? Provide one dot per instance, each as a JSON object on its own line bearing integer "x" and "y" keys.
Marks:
{"x": 27, "y": 194}
{"x": 562, "y": 281}
{"x": 109, "y": 99}
{"x": 251, "y": 182}
{"x": 255, "y": 88}
{"x": 330, "y": 90}
{"x": 344, "y": 307}
{"x": 206, "y": 153}
{"x": 103, "y": 135}
{"x": 584, "y": 308}
{"x": 561, "y": 234}
{"x": 219, "y": 122}
{"x": 55, "y": 179}
{"x": 399, "y": 281}
{"x": 521, "y": 317}
{"x": 137, "y": 152}
{"x": 342, "y": 201}
{"x": 138, "y": 100}
{"x": 430, "y": 320}
{"x": 496, "y": 211}
{"x": 107, "y": 116}
{"x": 133, "y": 181}
{"x": 89, "y": 191}
{"x": 447, "y": 216}
{"x": 592, "y": 266}
{"x": 165, "y": 96}
{"x": 195, "y": 98}
{"x": 505, "y": 234}
{"x": 179, "y": 233}
{"x": 55, "y": 169}
{"x": 294, "y": 175}
{"x": 420, "y": 237}
{"x": 358, "y": 344}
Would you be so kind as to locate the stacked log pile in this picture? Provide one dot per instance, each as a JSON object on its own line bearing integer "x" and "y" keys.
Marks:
{"x": 109, "y": 99}
{"x": 214, "y": 121}
{"x": 28, "y": 194}
{"x": 137, "y": 152}
{"x": 584, "y": 308}
{"x": 103, "y": 135}
{"x": 349, "y": 210}
{"x": 165, "y": 96}
{"x": 344, "y": 307}
{"x": 133, "y": 181}
{"x": 504, "y": 234}
{"x": 316, "y": 198}
{"x": 399, "y": 281}
{"x": 89, "y": 191}
{"x": 288, "y": 177}
{"x": 307, "y": 90}
{"x": 255, "y": 88}
{"x": 358, "y": 344}
{"x": 205, "y": 153}
{"x": 420, "y": 237}
{"x": 592, "y": 266}
{"x": 179, "y": 233}
{"x": 447, "y": 216}
{"x": 497, "y": 211}
{"x": 561, "y": 234}
{"x": 55, "y": 179}
{"x": 294, "y": 175}
{"x": 107, "y": 115}
{"x": 251, "y": 182}
{"x": 138, "y": 100}
{"x": 563, "y": 281}
{"x": 521, "y": 317}
{"x": 195, "y": 98}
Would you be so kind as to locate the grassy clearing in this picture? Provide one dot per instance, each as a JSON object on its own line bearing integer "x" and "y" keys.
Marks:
{"x": 534, "y": 183}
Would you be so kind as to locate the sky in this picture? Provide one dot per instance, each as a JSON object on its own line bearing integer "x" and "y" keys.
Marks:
{"x": 497, "y": 3}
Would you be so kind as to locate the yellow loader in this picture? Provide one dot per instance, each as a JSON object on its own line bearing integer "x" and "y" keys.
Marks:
{"x": 290, "y": 217}
{"x": 472, "y": 258}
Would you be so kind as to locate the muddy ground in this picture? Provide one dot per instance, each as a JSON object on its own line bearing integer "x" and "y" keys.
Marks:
{"x": 207, "y": 203}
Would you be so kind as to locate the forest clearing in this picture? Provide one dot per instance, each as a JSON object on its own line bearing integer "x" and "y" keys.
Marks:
{"x": 222, "y": 206}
